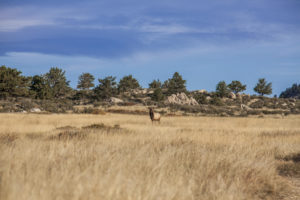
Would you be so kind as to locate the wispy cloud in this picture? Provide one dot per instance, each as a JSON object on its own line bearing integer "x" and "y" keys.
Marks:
{"x": 9, "y": 25}
{"x": 16, "y": 18}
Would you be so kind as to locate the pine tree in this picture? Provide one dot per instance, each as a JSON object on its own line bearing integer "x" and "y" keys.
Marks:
{"x": 155, "y": 84}
{"x": 128, "y": 83}
{"x": 57, "y": 81}
{"x": 176, "y": 84}
{"x": 236, "y": 87}
{"x": 12, "y": 83}
{"x": 85, "y": 81}
{"x": 262, "y": 87}
{"x": 40, "y": 88}
{"x": 107, "y": 88}
{"x": 222, "y": 89}
{"x": 157, "y": 95}
{"x": 292, "y": 92}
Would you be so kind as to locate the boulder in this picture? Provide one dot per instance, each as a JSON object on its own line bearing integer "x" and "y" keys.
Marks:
{"x": 139, "y": 91}
{"x": 150, "y": 92}
{"x": 115, "y": 100}
{"x": 245, "y": 107}
{"x": 35, "y": 110}
{"x": 181, "y": 99}
{"x": 232, "y": 95}
{"x": 202, "y": 91}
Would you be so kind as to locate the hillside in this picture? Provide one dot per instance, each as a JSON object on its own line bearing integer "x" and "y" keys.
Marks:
{"x": 137, "y": 101}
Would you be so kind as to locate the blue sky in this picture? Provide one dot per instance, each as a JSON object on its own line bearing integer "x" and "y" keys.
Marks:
{"x": 205, "y": 41}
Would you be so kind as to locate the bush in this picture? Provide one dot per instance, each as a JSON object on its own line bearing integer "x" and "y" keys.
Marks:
{"x": 58, "y": 106}
{"x": 216, "y": 101}
{"x": 26, "y": 104}
{"x": 200, "y": 98}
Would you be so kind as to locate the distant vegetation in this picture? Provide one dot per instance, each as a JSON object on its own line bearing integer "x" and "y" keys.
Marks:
{"x": 292, "y": 92}
{"x": 51, "y": 92}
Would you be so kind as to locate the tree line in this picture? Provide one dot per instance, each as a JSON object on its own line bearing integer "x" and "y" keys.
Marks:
{"x": 54, "y": 85}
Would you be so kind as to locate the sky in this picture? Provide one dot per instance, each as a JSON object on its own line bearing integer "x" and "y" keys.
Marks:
{"x": 205, "y": 41}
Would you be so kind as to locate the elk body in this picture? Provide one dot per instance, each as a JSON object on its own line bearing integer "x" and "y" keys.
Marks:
{"x": 154, "y": 116}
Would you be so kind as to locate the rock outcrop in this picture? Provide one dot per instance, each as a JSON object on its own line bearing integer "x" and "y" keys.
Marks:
{"x": 181, "y": 99}
{"x": 202, "y": 91}
{"x": 35, "y": 110}
{"x": 232, "y": 95}
{"x": 115, "y": 100}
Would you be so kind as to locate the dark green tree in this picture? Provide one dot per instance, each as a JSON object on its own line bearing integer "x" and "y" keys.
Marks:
{"x": 57, "y": 82}
{"x": 292, "y": 92}
{"x": 262, "y": 87}
{"x": 157, "y": 95}
{"x": 200, "y": 98}
{"x": 85, "y": 81}
{"x": 107, "y": 88}
{"x": 236, "y": 87}
{"x": 222, "y": 89}
{"x": 127, "y": 83}
{"x": 165, "y": 85}
{"x": 40, "y": 88}
{"x": 155, "y": 84}
{"x": 12, "y": 83}
{"x": 176, "y": 84}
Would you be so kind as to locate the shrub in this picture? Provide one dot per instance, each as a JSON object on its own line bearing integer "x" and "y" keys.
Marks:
{"x": 26, "y": 104}
{"x": 200, "y": 98}
{"x": 157, "y": 95}
{"x": 216, "y": 101}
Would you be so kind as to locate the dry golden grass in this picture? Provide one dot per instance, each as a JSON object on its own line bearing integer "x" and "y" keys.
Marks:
{"x": 54, "y": 157}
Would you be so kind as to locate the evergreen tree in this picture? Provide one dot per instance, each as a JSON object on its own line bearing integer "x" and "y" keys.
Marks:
{"x": 262, "y": 87}
{"x": 85, "y": 81}
{"x": 200, "y": 98}
{"x": 165, "y": 85}
{"x": 57, "y": 82}
{"x": 236, "y": 87}
{"x": 222, "y": 89}
{"x": 292, "y": 92}
{"x": 155, "y": 84}
{"x": 127, "y": 83}
{"x": 107, "y": 88}
{"x": 12, "y": 83}
{"x": 176, "y": 84}
{"x": 157, "y": 95}
{"x": 40, "y": 88}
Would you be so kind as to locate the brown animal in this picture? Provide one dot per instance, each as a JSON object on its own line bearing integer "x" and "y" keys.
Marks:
{"x": 154, "y": 116}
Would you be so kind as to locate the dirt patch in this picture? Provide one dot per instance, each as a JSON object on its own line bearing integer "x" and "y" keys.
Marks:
{"x": 8, "y": 138}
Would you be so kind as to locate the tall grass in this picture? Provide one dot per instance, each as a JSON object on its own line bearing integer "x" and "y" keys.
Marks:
{"x": 126, "y": 157}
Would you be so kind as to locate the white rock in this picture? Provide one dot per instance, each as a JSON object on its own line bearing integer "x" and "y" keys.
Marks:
{"x": 245, "y": 107}
{"x": 115, "y": 100}
{"x": 202, "y": 91}
{"x": 232, "y": 95}
{"x": 35, "y": 110}
{"x": 181, "y": 98}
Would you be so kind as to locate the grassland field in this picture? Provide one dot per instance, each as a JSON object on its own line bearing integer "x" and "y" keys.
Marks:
{"x": 122, "y": 157}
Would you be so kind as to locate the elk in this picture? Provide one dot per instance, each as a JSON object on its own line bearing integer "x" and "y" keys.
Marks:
{"x": 154, "y": 116}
